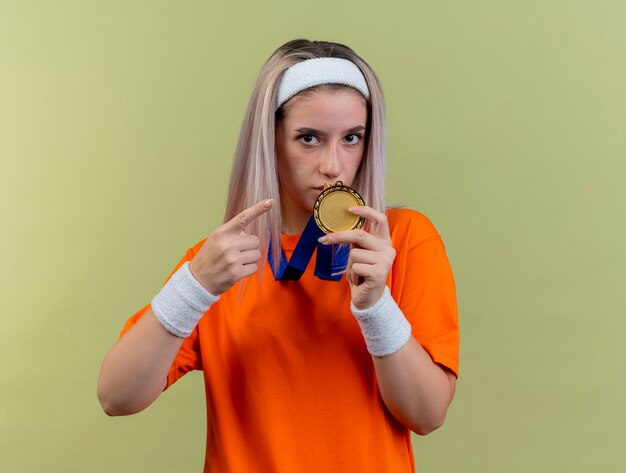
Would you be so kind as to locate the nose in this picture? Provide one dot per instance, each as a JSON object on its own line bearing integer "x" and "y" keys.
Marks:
{"x": 329, "y": 161}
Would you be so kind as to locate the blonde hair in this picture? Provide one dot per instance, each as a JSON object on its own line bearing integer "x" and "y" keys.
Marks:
{"x": 254, "y": 175}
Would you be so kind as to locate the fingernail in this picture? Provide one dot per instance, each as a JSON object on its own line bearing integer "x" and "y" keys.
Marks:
{"x": 267, "y": 203}
{"x": 323, "y": 239}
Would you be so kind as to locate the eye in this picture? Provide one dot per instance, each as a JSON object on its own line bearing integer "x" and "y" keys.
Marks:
{"x": 308, "y": 139}
{"x": 353, "y": 138}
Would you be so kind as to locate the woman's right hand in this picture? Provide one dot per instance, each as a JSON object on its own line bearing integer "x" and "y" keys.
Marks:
{"x": 134, "y": 371}
{"x": 229, "y": 254}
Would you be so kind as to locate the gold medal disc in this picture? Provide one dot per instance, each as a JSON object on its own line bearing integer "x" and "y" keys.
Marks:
{"x": 331, "y": 209}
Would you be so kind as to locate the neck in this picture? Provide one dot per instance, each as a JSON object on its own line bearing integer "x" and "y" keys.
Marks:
{"x": 294, "y": 224}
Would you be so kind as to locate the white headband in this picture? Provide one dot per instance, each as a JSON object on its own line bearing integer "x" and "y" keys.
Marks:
{"x": 324, "y": 70}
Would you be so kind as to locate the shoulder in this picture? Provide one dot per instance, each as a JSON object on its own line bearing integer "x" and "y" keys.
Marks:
{"x": 190, "y": 253}
{"x": 193, "y": 251}
{"x": 410, "y": 227}
{"x": 188, "y": 256}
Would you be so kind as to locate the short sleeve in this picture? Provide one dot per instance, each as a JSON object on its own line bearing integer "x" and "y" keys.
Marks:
{"x": 422, "y": 285}
{"x": 188, "y": 357}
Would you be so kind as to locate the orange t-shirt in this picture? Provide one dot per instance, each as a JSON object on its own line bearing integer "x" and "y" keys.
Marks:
{"x": 289, "y": 383}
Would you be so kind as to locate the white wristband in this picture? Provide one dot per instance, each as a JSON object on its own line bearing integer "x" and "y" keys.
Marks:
{"x": 384, "y": 326}
{"x": 182, "y": 302}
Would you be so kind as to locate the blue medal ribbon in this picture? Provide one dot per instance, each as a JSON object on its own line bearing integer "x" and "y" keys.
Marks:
{"x": 330, "y": 263}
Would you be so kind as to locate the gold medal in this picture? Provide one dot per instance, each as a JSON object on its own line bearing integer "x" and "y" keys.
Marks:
{"x": 331, "y": 209}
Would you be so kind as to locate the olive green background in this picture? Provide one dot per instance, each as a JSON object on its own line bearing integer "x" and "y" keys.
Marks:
{"x": 507, "y": 127}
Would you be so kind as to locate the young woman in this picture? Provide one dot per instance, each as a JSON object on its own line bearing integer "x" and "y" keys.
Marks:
{"x": 303, "y": 373}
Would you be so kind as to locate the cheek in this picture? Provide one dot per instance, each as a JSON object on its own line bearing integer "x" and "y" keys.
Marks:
{"x": 292, "y": 169}
{"x": 355, "y": 162}
{"x": 297, "y": 162}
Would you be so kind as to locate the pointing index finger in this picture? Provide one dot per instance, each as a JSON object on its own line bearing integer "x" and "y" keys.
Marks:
{"x": 240, "y": 221}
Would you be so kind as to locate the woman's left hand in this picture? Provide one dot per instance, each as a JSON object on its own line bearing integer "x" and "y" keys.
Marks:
{"x": 370, "y": 259}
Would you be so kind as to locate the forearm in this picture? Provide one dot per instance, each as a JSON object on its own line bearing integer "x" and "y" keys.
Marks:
{"x": 416, "y": 390}
{"x": 134, "y": 371}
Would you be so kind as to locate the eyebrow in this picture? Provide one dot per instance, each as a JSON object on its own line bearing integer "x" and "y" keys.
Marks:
{"x": 313, "y": 131}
